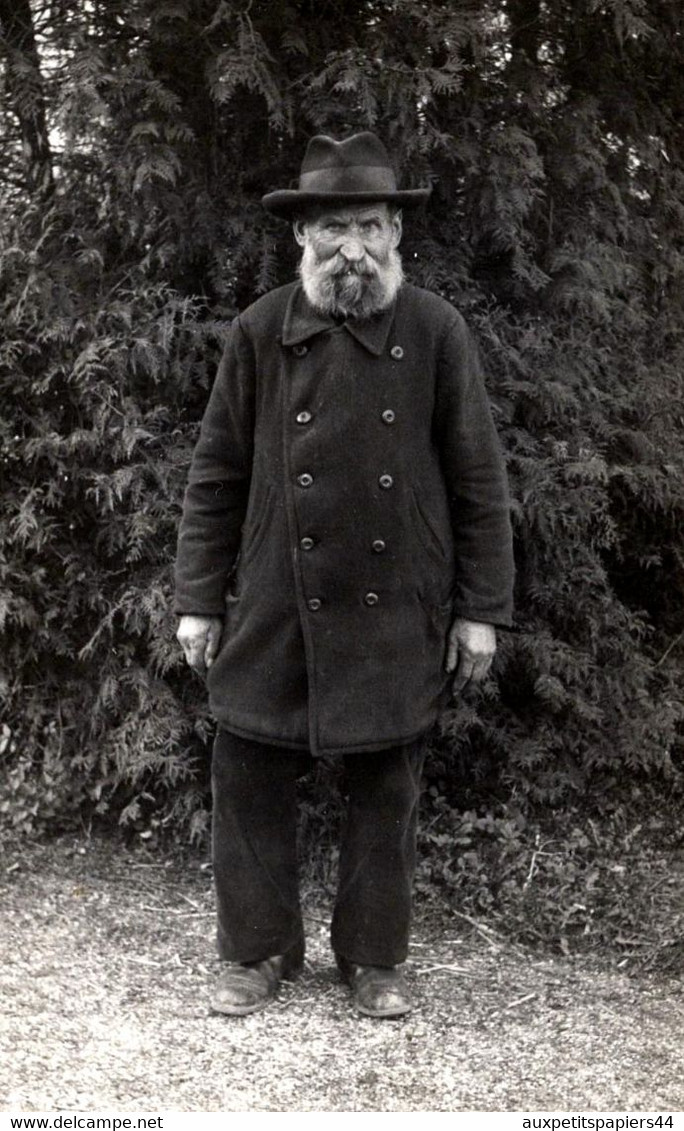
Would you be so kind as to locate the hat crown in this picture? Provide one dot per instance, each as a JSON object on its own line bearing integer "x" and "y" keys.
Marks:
{"x": 325, "y": 152}
{"x": 358, "y": 164}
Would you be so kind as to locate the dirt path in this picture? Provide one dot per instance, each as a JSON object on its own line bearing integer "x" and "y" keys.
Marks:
{"x": 108, "y": 955}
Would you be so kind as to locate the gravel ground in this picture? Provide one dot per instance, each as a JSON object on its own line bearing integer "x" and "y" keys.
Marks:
{"x": 109, "y": 956}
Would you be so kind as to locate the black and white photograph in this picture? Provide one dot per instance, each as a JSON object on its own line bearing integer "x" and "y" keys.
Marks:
{"x": 342, "y": 560}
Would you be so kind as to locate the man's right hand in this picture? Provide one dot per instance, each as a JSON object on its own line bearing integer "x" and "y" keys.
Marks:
{"x": 199, "y": 637}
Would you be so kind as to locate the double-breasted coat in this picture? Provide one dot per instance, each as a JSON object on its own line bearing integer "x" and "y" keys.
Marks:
{"x": 347, "y": 498}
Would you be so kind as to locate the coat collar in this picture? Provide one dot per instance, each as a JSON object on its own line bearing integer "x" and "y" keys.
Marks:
{"x": 302, "y": 321}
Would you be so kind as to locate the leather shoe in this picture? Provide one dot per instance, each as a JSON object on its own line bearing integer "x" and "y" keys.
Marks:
{"x": 377, "y": 991}
{"x": 246, "y": 987}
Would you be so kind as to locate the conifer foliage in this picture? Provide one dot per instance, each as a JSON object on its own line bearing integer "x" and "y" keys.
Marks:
{"x": 136, "y": 141}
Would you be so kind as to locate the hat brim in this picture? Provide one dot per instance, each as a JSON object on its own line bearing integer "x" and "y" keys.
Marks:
{"x": 287, "y": 203}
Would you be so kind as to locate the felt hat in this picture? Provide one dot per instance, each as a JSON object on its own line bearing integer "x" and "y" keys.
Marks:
{"x": 354, "y": 171}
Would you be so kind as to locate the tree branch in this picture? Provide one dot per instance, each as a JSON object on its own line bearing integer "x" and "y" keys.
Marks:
{"x": 26, "y": 94}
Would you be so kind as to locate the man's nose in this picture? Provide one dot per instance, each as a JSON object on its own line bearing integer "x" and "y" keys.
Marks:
{"x": 352, "y": 249}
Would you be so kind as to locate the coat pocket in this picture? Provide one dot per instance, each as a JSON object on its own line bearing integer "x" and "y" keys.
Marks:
{"x": 426, "y": 530}
{"x": 438, "y": 620}
{"x": 439, "y": 612}
{"x": 257, "y": 525}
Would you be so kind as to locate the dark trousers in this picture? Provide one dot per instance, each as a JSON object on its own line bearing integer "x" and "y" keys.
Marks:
{"x": 255, "y": 851}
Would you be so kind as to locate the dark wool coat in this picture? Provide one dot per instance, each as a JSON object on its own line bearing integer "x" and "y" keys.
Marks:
{"x": 346, "y": 500}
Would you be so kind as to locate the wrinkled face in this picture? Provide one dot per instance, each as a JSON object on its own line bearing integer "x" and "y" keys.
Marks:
{"x": 350, "y": 266}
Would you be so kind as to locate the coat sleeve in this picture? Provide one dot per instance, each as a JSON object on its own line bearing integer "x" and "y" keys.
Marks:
{"x": 477, "y": 486}
{"x": 218, "y": 487}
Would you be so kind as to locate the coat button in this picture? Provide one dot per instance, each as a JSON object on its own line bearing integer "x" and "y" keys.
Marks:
{"x": 314, "y": 603}
{"x": 307, "y": 543}
{"x": 305, "y": 480}
{"x": 379, "y": 546}
{"x": 300, "y": 351}
{"x": 371, "y": 599}
{"x": 303, "y": 417}
{"x": 397, "y": 353}
{"x": 386, "y": 481}
{"x": 389, "y": 416}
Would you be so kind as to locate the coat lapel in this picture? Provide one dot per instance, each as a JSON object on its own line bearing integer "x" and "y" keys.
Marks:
{"x": 301, "y": 322}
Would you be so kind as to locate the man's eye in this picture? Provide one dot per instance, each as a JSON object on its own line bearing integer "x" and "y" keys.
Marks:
{"x": 370, "y": 226}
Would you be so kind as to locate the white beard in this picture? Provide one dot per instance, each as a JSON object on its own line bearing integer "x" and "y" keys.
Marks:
{"x": 339, "y": 289}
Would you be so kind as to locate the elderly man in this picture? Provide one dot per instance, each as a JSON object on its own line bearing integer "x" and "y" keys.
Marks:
{"x": 344, "y": 553}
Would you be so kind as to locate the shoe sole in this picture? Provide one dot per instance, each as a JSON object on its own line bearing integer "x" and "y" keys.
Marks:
{"x": 239, "y": 1010}
{"x": 383, "y": 1016}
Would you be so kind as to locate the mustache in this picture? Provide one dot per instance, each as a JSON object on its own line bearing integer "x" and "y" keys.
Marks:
{"x": 339, "y": 266}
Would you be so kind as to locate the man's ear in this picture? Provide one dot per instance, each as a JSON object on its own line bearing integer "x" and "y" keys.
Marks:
{"x": 396, "y": 228}
{"x": 299, "y": 233}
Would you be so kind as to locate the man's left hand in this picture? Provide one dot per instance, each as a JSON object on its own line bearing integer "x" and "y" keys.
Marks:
{"x": 471, "y": 648}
